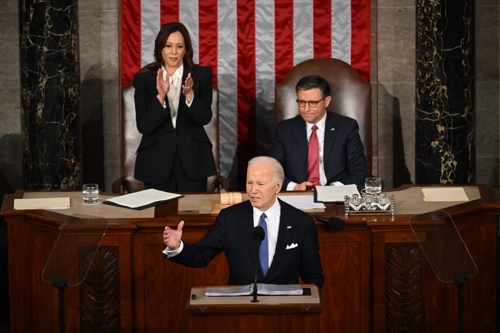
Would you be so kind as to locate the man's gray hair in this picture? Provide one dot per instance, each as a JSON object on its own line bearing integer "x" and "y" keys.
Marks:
{"x": 266, "y": 160}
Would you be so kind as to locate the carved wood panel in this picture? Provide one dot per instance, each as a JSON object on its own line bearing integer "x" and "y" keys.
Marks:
{"x": 405, "y": 308}
{"x": 100, "y": 292}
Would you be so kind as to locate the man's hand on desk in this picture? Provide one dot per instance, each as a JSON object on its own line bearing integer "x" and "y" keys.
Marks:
{"x": 172, "y": 238}
{"x": 303, "y": 186}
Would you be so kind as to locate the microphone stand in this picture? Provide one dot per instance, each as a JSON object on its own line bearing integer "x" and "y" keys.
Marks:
{"x": 254, "y": 293}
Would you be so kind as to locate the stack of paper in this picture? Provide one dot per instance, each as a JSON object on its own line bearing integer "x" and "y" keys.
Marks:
{"x": 441, "y": 194}
{"x": 42, "y": 203}
{"x": 142, "y": 199}
{"x": 262, "y": 289}
{"x": 334, "y": 193}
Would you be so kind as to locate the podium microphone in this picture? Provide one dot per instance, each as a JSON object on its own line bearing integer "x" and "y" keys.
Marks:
{"x": 258, "y": 236}
{"x": 333, "y": 222}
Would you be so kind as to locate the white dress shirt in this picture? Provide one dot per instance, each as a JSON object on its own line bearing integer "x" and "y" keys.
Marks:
{"x": 174, "y": 93}
{"x": 320, "y": 132}
{"x": 273, "y": 215}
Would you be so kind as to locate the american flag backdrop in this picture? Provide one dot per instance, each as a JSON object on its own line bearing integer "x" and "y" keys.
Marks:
{"x": 250, "y": 46}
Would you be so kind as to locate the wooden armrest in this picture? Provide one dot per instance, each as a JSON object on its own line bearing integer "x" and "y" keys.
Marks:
{"x": 117, "y": 186}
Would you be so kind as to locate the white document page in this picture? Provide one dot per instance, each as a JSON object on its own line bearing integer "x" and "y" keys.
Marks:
{"x": 301, "y": 201}
{"x": 335, "y": 193}
{"x": 441, "y": 194}
{"x": 143, "y": 198}
{"x": 42, "y": 203}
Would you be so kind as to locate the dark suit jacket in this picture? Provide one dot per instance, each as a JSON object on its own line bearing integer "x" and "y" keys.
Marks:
{"x": 232, "y": 232}
{"x": 343, "y": 157}
{"x": 160, "y": 140}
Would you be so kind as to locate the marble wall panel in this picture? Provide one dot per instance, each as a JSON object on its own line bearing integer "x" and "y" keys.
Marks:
{"x": 487, "y": 92}
{"x": 100, "y": 59}
{"x": 9, "y": 7}
{"x": 9, "y": 57}
{"x": 396, "y": 3}
{"x": 487, "y": 43}
{"x": 487, "y": 137}
{"x": 99, "y": 5}
{"x": 10, "y": 126}
{"x": 395, "y": 91}
{"x": 396, "y": 44}
{"x": 396, "y": 125}
{"x": 50, "y": 84}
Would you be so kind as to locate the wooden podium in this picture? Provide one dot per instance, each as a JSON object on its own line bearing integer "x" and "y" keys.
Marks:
{"x": 239, "y": 314}
{"x": 376, "y": 277}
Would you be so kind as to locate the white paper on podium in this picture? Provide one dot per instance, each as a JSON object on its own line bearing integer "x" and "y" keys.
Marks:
{"x": 42, "y": 203}
{"x": 442, "y": 194}
{"x": 301, "y": 201}
{"x": 142, "y": 199}
{"x": 335, "y": 193}
{"x": 262, "y": 289}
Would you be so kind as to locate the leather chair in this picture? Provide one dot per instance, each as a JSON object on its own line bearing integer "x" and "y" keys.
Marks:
{"x": 130, "y": 139}
{"x": 351, "y": 96}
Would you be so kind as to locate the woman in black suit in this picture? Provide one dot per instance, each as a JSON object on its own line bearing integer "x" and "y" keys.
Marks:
{"x": 173, "y": 99}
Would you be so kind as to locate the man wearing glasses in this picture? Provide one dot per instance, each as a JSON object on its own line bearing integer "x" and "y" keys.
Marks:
{"x": 318, "y": 147}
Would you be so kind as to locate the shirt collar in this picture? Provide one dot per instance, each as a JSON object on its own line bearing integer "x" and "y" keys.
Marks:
{"x": 178, "y": 72}
{"x": 270, "y": 213}
{"x": 320, "y": 124}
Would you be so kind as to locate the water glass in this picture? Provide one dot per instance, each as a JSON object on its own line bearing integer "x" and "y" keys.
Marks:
{"x": 90, "y": 194}
{"x": 373, "y": 185}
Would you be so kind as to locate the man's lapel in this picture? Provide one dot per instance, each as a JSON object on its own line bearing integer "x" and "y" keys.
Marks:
{"x": 330, "y": 135}
{"x": 246, "y": 226}
{"x": 286, "y": 228}
{"x": 300, "y": 137}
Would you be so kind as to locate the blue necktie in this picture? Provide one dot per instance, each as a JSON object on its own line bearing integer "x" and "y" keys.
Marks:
{"x": 263, "y": 251}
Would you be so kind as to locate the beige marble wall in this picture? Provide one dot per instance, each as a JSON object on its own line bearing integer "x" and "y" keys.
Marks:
{"x": 394, "y": 92}
{"x": 100, "y": 76}
{"x": 392, "y": 76}
{"x": 487, "y": 91}
{"x": 393, "y": 82}
{"x": 10, "y": 123}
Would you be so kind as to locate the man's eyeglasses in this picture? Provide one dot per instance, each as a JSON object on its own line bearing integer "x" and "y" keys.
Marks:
{"x": 312, "y": 104}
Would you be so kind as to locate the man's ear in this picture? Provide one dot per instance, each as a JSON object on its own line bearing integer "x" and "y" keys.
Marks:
{"x": 328, "y": 99}
{"x": 278, "y": 185}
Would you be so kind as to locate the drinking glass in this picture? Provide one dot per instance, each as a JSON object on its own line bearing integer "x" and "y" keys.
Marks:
{"x": 90, "y": 194}
{"x": 373, "y": 185}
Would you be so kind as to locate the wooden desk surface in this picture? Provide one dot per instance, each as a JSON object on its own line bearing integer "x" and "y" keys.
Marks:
{"x": 409, "y": 201}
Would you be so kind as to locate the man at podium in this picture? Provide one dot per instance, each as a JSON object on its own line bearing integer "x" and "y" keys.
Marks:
{"x": 290, "y": 247}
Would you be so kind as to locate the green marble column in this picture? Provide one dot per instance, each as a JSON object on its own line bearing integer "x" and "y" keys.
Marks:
{"x": 50, "y": 87}
{"x": 445, "y": 147}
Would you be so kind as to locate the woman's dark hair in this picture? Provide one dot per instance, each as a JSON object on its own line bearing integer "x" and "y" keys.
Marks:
{"x": 161, "y": 40}
{"x": 314, "y": 81}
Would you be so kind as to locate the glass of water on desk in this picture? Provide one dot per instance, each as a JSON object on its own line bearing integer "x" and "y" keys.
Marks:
{"x": 373, "y": 185}
{"x": 90, "y": 194}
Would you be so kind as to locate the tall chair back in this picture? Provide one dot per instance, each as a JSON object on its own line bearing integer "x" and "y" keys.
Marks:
{"x": 351, "y": 96}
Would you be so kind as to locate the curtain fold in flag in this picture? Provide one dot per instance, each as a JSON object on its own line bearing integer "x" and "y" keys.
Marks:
{"x": 250, "y": 46}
